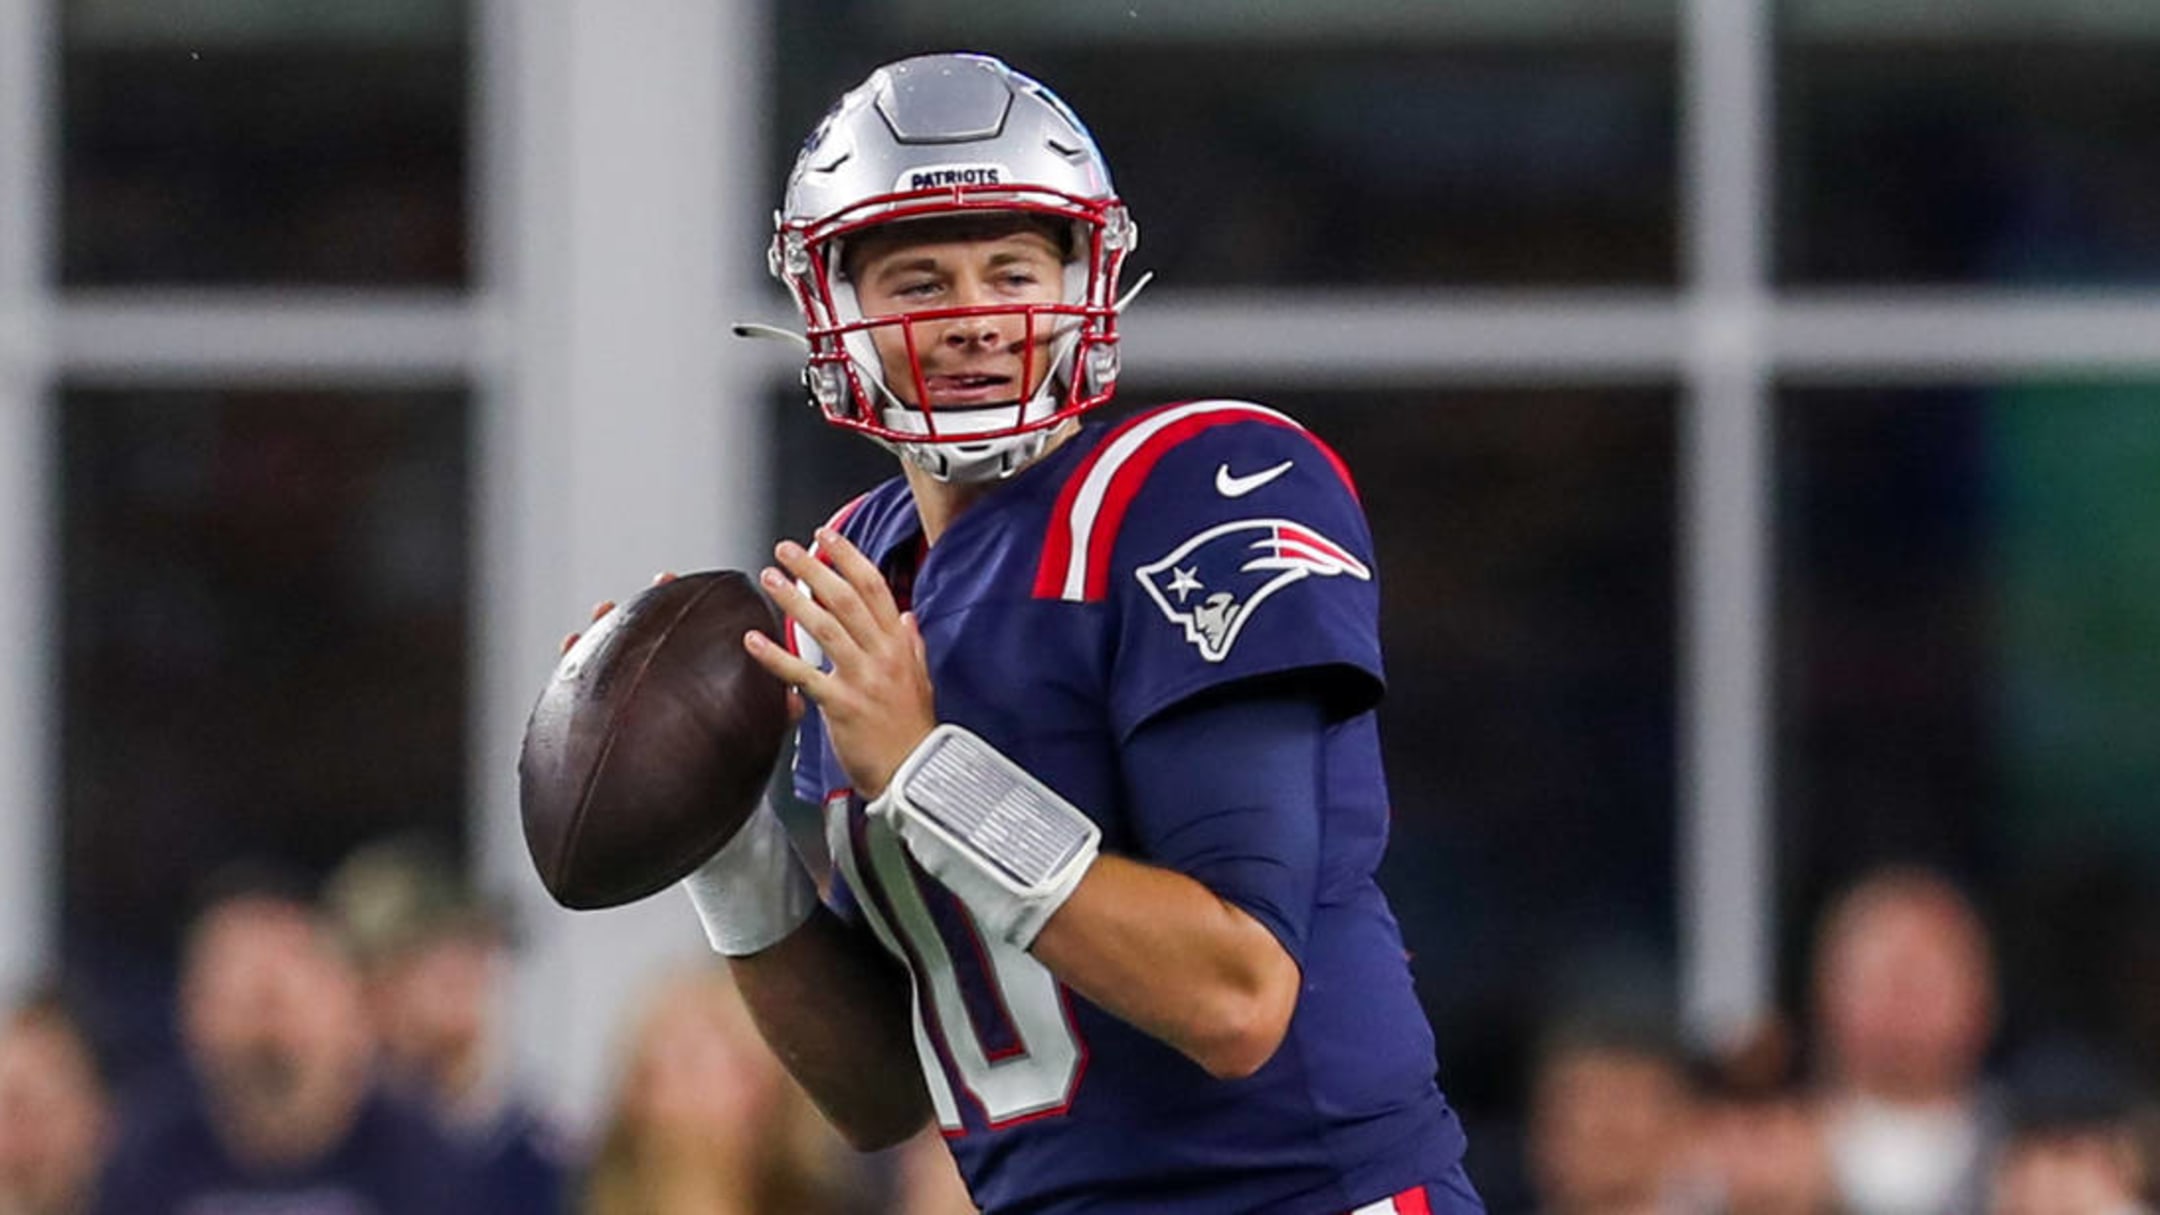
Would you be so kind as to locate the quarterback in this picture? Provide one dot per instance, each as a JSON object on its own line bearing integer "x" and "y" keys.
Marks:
{"x": 1089, "y": 711}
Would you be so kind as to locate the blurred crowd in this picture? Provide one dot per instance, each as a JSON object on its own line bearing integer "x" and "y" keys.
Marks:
{"x": 1897, "y": 1102}
{"x": 343, "y": 1051}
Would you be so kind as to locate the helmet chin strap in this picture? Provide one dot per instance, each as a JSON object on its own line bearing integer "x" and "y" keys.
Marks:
{"x": 953, "y": 463}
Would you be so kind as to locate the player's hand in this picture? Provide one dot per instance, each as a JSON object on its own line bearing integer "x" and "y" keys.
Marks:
{"x": 876, "y": 699}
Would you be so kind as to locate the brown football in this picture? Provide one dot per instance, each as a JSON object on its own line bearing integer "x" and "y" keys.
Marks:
{"x": 652, "y": 742}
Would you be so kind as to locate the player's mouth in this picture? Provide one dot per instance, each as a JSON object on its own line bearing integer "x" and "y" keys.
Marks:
{"x": 964, "y": 389}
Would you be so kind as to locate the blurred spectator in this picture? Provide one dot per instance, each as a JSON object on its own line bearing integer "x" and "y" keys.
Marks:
{"x": 279, "y": 1112}
{"x": 435, "y": 960}
{"x": 706, "y": 1122}
{"x": 1609, "y": 1115}
{"x": 2072, "y": 1146}
{"x": 1758, "y": 1147}
{"x": 55, "y": 1110}
{"x": 1905, "y": 993}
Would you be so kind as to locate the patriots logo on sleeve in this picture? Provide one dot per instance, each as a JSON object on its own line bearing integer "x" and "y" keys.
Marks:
{"x": 1212, "y": 584}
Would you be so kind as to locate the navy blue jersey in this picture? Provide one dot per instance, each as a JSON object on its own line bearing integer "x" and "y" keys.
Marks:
{"x": 1129, "y": 572}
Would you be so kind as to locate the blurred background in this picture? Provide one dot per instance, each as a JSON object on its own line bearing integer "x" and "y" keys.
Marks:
{"x": 1757, "y": 403}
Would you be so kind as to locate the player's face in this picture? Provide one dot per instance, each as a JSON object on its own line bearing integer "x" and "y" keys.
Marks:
{"x": 974, "y": 360}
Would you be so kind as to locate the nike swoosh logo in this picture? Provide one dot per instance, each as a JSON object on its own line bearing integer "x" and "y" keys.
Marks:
{"x": 1232, "y": 486}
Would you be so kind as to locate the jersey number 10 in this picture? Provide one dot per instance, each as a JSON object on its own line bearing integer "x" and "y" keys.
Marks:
{"x": 982, "y": 1005}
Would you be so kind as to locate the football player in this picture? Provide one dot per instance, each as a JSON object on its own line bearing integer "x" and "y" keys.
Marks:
{"x": 1090, "y": 715}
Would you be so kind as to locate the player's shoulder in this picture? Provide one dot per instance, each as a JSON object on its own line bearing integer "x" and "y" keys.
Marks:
{"x": 1182, "y": 468}
{"x": 1217, "y": 429}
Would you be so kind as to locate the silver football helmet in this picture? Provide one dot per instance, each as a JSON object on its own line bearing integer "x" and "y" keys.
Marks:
{"x": 942, "y": 136}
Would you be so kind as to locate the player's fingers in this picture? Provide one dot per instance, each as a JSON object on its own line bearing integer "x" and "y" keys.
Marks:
{"x": 786, "y": 667}
{"x": 807, "y": 612}
{"x": 861, "y": 574}
{"x": 599, "y": 609}
{"x": 834, "y": 593}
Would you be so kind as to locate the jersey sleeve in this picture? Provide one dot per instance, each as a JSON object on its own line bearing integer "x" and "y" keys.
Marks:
{"x": 1229, "y": 794}
{"x": 1241, "y": 552}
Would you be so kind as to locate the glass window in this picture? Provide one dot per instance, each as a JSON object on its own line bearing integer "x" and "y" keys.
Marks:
{"x": 1983, "y": 141}
{"x": 1493, "y": 146}
{"x": 264, "y": 623}
{"x": 1527, "y": 564}
{"x": 1969, "y": 674}
{"x": 221, "y": 142}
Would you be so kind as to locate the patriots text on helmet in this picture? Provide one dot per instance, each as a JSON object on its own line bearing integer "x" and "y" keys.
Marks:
{"x": 953, "y": 175}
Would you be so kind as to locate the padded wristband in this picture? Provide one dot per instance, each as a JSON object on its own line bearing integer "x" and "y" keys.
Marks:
{"x": 1006, "y": 843}
{"x": 754, "y": 891}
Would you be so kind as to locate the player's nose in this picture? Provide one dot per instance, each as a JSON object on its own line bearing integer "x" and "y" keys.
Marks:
{"x": 985, "y": 329}
{"x": 988, "y": 331}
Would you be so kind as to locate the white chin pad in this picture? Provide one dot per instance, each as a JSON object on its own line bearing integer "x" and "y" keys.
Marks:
{"x": 954, "y": 423}
{"x": 987, "y": 460}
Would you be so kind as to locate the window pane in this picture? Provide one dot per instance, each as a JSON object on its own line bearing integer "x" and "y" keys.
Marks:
{"x": 1526, "y": 560}
{"x": 263, "y": 642}
{"x": 2010, "y": 144}
{"x": 1357, "y": 154}
{"x": 1969, "y": 665}
{"x": 217, "y": 143}
{"x": 192, "y": 24}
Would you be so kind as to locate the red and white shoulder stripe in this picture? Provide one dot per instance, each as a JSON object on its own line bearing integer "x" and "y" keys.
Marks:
{"x": 1084, "y": 525}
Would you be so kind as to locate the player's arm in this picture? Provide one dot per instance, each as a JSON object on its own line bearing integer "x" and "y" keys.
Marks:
{"x": 1201, "y": 955}
{"x": 829, "y": 1002}
{"x": 1197, "y": 952}
{"x": 834, "y": 1007}
{"x": 1166, "y": 954}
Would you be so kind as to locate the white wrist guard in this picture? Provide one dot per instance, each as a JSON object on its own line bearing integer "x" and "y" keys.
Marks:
{"x": 754, "y": 891}
{"x": 1012, "y": 849}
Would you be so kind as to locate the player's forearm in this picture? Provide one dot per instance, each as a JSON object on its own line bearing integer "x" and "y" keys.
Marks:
{"x": 835, "y": 1010}
{"x": 1168, "y": 955}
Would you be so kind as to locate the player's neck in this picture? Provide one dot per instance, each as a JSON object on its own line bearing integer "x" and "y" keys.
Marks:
{"x": 938, "y": 503}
